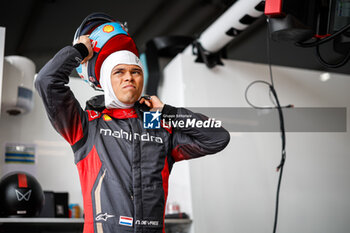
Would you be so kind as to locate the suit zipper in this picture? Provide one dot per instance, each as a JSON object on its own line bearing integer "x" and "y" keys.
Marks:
{"x": 132, "y": 196}
{"x": 132, "y": 162}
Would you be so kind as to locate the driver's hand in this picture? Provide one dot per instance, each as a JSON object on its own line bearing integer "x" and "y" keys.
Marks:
{"x": 87, "y": 42}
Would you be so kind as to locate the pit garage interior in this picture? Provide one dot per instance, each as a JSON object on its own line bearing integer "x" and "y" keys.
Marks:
{"x": 243, "y": 62}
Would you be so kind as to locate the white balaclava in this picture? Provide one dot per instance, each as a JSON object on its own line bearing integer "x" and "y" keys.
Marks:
{"x": 116, "y": 58}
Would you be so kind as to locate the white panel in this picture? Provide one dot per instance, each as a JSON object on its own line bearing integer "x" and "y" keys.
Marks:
{"x": 18, "y": 73}
{"x": 172, "y": 83}
{"x": 234, "y": 191}
{"x": 2, "y": 50}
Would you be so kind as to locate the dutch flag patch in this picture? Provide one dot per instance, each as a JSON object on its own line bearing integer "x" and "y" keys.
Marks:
{"x": 125, "y": 221}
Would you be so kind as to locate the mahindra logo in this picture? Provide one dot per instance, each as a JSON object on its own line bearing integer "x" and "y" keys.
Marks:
{"x": 145, "y": 137}
{"x": 21, "y": 196}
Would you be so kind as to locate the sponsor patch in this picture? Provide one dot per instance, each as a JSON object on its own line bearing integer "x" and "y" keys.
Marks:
{"x": 106, "y": 117}
{"x": 108, "y": 28}
{"x": 104, "y": 217}
{"x": 145, "y": 137}
{"x": 125, "y": 221}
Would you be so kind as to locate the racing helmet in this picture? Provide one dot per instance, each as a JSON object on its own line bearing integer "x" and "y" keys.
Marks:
{"x": 20, "y": 195}
{"x": 107, "y": 36}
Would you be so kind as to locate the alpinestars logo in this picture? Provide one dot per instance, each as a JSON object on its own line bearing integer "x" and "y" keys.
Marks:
{"x": 104, "y": 217}
{"x": 21, "y": 196}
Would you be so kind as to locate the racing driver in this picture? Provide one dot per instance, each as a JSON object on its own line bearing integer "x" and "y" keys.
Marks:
{"x": 123, "y": 166}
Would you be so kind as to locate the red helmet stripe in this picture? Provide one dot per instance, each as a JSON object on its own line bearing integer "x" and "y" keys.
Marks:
{"x": 22, "y": 181}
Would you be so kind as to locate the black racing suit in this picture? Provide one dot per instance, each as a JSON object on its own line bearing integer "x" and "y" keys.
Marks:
{"x": 123, "y": 167}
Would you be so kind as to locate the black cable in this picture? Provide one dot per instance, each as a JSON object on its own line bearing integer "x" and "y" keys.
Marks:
{"x": 250, "y": 103}
{"x": 274, "y": 103}
{"x": 331, "y": 65}
{"x": 262, "y": 107}
{"x": 277, "y": 199}
{"x": 283, "y": 138}
{"x": 319, "y": 41}
{"x": 283, "y": 157}
{"x": 277, "y": 106}
{"x": 322, "y": 41}
{"x": 269, "y": 51}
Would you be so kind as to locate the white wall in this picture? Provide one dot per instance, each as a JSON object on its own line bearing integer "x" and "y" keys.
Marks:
{"x": 2, "y": 51}
{"x": 234, "y": 191}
